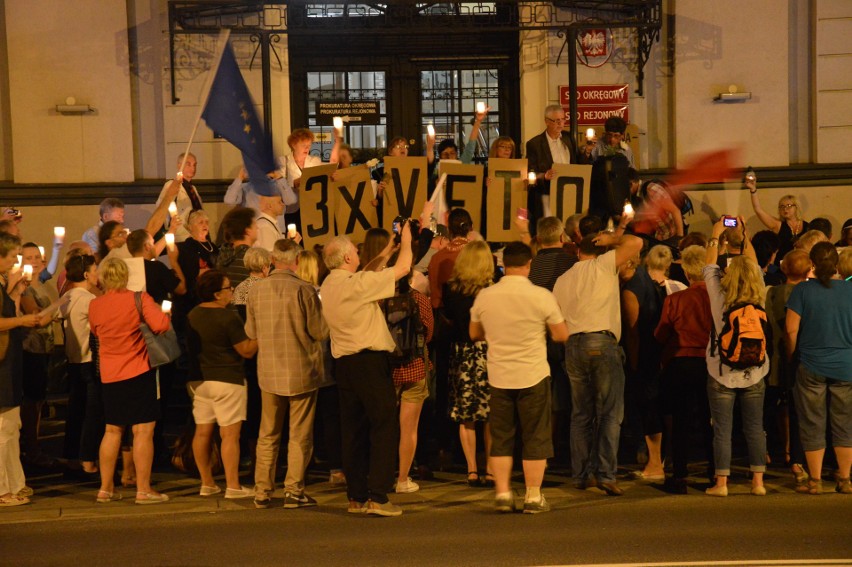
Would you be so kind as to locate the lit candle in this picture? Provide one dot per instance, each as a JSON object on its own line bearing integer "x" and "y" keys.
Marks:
{"x": 590, "y": 134}
{"x": 430, "y": 131}
{"x": 59, "y": 232}
{"x": 480, "y": 107}
{"x": 338, "y": 123}
{"x": 531, "y": 178}
{"x": 28, "y": 272}
{"x": 17, "y": 265}
{"x": 167, "y": 306}
{"x": 41, "y": 251}
{"x": 170, "y": 241}
{"x": 173, "y": 209}
{"x": 291, "y": 231}
{"x": 628, "y": 209}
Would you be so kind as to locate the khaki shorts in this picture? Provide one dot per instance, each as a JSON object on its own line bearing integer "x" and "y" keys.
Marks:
{"x": 413, "y": 392}
{"x": 218, "y": 402}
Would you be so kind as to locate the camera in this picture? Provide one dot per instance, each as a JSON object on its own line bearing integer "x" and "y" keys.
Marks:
{"x": 729, "y": 221}
{"x": 398, "y": 222}
{"x": 14, "y": 213}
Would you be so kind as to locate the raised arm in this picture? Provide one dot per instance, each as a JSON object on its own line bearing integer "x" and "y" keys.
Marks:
{"x": 768, "y": 220}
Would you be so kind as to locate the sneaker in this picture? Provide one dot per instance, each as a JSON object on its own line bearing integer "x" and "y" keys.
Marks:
{"x": 407, "y": 486}
{"x": 293, "y": 500}
{"x": 237, "y": 493}
{"x": 356, "y": 507}
{"x": 536, "y": 507}
{"x": 387, "y": 509}
{"x": 151, "y": 498}
{"x": 209, "y": 490}
{"x": 504, "y": 505}
{"x": 262, "y": 500}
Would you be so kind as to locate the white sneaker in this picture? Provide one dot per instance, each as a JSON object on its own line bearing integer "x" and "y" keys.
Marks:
{"x": 241, "y": 492}
{"x": 407, "y": 486}
{"x": 209, "y": 490}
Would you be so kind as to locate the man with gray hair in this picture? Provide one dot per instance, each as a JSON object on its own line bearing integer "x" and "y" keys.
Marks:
{"x": 554, "y": 145}
{"x": 360, "y": 344}
{"x": 283, "y": 313}
{"x": 111, "y": 209}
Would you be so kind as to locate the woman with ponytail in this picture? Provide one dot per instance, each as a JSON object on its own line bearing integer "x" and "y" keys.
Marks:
{"x": 819, "y": 328}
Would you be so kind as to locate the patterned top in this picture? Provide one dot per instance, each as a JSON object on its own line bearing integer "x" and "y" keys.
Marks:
{"x": 284, "y": 314}
{"x": 242, "y": 290}
{"x": 415, "y": 370}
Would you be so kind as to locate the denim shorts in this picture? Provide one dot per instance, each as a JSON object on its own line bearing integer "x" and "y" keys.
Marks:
{"x": 809, "y": 393}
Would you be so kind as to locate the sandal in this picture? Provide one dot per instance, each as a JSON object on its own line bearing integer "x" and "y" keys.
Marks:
{"x": 13, "y": 500}
{"x": 105, "y": 497}
{"x": 151, "y": 498}
{"x": 488, "y": 480}
{"x": 813, "y": 487}
{"x": 472, "y": 479}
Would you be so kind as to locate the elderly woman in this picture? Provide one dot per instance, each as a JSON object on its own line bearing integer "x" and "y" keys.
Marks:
{"x": 819, "y": 327}
{"x": 218, "y": 343}
{"x": 788, "y": 225}
{"x": 300, "y": 141}
{"x": 196, "y": 255}
{"x": 469, "y": 391}
{"x": 741, "y": 284}
{"x": 257, "y": 261}
{"x": 13, "y": 488}
{"x": 130, "y": 394}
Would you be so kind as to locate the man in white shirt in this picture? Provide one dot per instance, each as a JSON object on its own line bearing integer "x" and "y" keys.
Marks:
{"x": 518, "y": 373}
{"x": 268, "y": 232}
{"x": 588, "y": 296}
{"x": 187, "y": 199}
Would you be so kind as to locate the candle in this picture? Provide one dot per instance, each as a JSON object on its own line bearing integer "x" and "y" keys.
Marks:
{"x": 430, "y": 131}
{"x": 338, "y": 123}
{"x": 28, "y": 272}
{"x": 291, "y": 230}
{"x": 41, "y": 251}
{"x": 170, "y": 241}
{"x": 173, "y": 209}
{"x": 167, "y": 306}
{"x": 628, "y": 209}
{"x": 59, "y": 232}
{"x": 480, "y": 107}
{"x": 531, "y": 178}
{"x": 590, "y": 134}
{"x": 17, "y": 265}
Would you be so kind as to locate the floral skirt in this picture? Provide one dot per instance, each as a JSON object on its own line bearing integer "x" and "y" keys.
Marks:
{"x": 469, "y": 390}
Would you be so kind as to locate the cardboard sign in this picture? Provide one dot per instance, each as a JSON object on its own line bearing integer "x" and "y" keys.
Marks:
{"x": 507, "y": 192}
{"x": 407, "y": 188}
{"x": 317, "y": 203}
{"x": 354, "y": 214}
{"x": 463, "y": 189}
{"x": 569, "y": 190}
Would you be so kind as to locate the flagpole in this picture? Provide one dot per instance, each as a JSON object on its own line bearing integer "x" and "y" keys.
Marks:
{"x": 222, "y": 41}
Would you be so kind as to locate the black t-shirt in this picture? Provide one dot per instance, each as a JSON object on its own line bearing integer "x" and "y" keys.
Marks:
{"x": 211, "y": 338}
{"x": 160, "y": 281}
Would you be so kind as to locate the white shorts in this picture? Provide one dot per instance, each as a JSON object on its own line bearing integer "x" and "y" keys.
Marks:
{"x": 218, "y": 402}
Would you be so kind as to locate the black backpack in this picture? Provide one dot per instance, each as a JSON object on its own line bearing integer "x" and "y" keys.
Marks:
{"x": 402, "y": 315}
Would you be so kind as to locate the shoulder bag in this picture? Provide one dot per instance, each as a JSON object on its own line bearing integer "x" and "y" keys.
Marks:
{"x": 162, "y": 348}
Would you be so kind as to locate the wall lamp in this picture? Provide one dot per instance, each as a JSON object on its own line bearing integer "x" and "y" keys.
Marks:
{"x": 732, "y": 95}
{"x": 71, "y": 107}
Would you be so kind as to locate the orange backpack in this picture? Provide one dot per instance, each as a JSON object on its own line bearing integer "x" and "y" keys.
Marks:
{"x": 744, "y": 338}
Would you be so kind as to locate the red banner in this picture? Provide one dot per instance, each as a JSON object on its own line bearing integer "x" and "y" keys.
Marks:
{"x": 596, "y": 94}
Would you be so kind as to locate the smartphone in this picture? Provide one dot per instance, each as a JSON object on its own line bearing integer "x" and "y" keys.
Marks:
{"x": 523, "y": 214}
{"x": 396, "y": 225}
{"x": 729, "y": 221}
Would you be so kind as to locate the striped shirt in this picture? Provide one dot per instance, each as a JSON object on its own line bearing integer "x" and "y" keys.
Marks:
{"x": 548, "y": 265}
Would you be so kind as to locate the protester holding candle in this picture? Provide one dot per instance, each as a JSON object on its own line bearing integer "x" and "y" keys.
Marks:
{"x": 788, "y": 225}
{"x": 186, "y": 199}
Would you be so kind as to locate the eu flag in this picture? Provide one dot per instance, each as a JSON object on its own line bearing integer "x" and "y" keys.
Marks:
{"x": 230, "y": 113}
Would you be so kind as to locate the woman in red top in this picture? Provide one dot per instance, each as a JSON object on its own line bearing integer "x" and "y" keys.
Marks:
{"x": 130, "y": 391}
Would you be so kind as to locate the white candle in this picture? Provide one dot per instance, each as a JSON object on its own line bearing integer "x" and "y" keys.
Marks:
{"x": 17, "y": 265}
{"x": 628, "y": 209}
{"x": 59, "y": 232}
{"x": 338, "y": 123}
{"x": 28, "y": 272}
{"x": 173, "y": 209}
{"x": 291, "y": 230}
{"x": 170, "y": 241}
{"x": 430, "y": 131}
{"x": 41, "y": 251}
{"x": 531, "y": 178}
{"x": 480, "y": 107}
{"x": 590, "y": 134}
{"x": 167, "y": 306}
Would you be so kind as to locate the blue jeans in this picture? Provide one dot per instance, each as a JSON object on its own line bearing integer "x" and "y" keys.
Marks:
{"x": 593, "y": 362}
{"x": 722, "y": 411}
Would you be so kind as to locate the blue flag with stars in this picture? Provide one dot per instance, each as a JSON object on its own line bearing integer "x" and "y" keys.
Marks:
{"x": 231, "y": 114}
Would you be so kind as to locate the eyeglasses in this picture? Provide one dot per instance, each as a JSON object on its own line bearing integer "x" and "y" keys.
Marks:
{"x": 400, "y": 147}
{"x": 505, "y": 147}
{"x": 227, "y": 287}
{"x": 786, "y": 206}
{"x": 555, "y": 120}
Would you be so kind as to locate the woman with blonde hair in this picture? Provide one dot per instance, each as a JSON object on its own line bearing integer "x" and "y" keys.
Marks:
{"x": 129, "y": 389}
{"x": 741, "y": 284}
{"x": 788, "y": 225}
{"x": 469, "y": 392}
{"x": 308, "y": 267}
{"x": 503, "y": 147}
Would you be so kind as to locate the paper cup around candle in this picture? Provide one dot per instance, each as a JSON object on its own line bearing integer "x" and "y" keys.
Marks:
{"x": 590, "y": 133}
{"x": 480, "y": 107}
{"x": 291, "y": 230}
{"x": 338, "y": 123}
{"x": 430, "y": 130}
{"x": 59, "y": 231}
{"x": 173, "y": 209}
{"x": 531, "y": 178}
{"x": 41, "y": 251}
{"x": 28, "y": 272}
{"x": 170, "y": 240}
{"x": 167, "y": 306}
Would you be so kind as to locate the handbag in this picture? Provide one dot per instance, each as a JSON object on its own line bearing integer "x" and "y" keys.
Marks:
{"x": 162, "y": 348}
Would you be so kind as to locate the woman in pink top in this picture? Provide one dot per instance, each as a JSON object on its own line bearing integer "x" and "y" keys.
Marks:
{"x": 130, "y": 391}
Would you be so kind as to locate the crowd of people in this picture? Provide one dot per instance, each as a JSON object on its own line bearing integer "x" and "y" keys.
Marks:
{"x": 539, "y": 348}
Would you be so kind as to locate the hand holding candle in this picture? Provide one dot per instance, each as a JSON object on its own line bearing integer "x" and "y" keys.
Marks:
{"x": 430, "y": 131}
{"x": 28, "y": 272}
{"x": 480, "y": 107}
{"x": 167, "y": 306}
{"x": 17, "y": 265}
{"x": 173, "y": 209}
{"x": 531, "y": 178}
{"x": 338, "y": 123}
{"x": 41, "y": 251}
{"x": 291, "y": 231}
{"x": 58, "y": 233}
{"x": 170, "y": 241}
{"x": 590, "y": 134}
